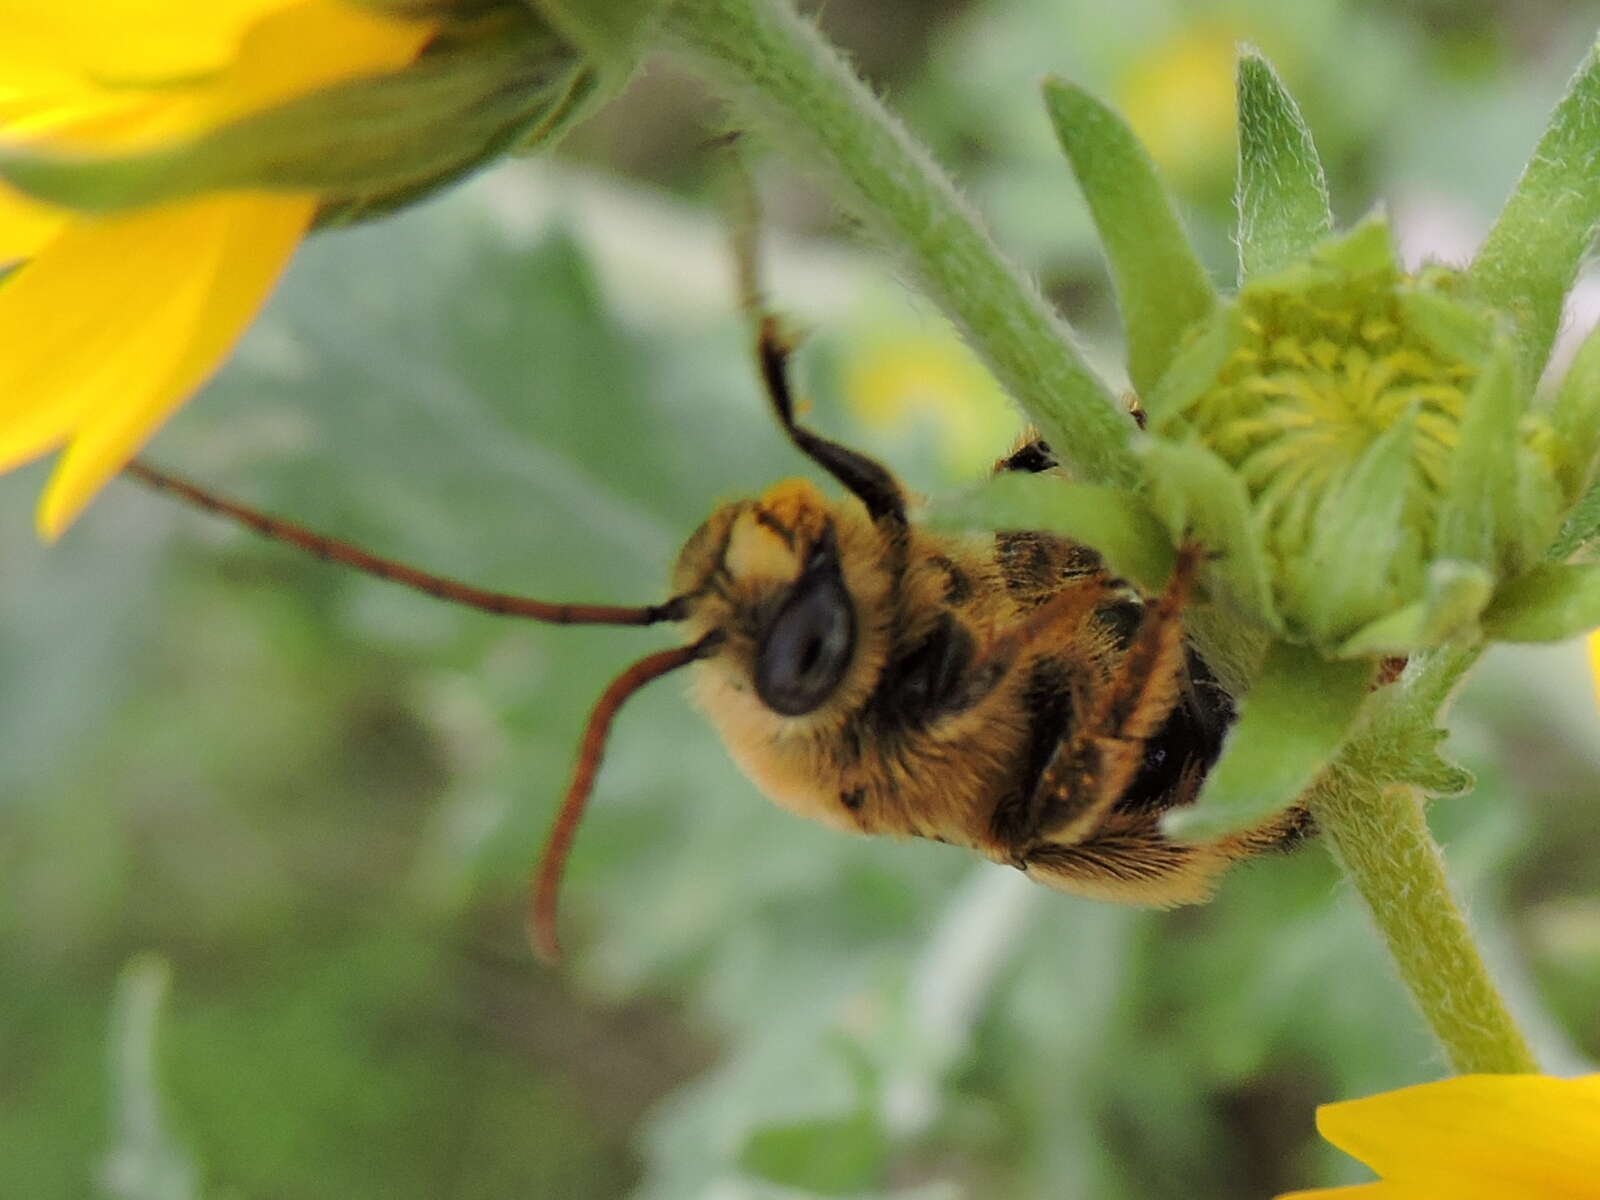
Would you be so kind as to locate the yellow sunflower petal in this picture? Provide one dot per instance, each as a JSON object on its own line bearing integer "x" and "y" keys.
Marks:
{"x": 106, "y": 306}
{"x": 25, "y": 226}
{"x": 1594, "y": 661}
{"x": 293, "y": 50}
{"x": 1479, "y": 1135}
{"x": 310, "y": 46}
{"x": 198, "y": 307}
{"x": 110, "y": 323}
{"x": 1451, "y": 1189}
{"x": 129, "y": 40}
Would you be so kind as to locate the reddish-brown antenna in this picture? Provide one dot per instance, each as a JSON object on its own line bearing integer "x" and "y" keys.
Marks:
{"x": 543, "y": 901}
{"x": 501, "y": 603}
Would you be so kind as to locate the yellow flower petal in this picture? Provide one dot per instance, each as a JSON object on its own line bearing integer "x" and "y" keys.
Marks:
{"x": 109, "y": 323}
{"x": 1594, "y": 661}
{"x": 1528, "y": 1136}
{"x": 164, "y": 324}
{"x": 1451, "y": 1190}
{"x": 25, "y": 226}
{"x": 87, "y": 314}
{"x": 128, "y": 40}
{"x": 292, "y": 50}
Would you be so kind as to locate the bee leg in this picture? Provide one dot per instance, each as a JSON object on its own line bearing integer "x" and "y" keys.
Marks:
{"x": 1132, "y": 862}
{"x": 1032, "y": 455}
{"x": 1129, "y": 859}
{"x": 1094, "y": 766}
{"x": 871, "y": 482}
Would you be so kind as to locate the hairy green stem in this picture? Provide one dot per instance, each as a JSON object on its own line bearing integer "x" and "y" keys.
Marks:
{"x": 1380, "y": 836}
{"x": 785, "y": 83}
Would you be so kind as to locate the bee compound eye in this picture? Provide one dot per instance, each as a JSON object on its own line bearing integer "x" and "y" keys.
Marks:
{"x": 806, "y": 649}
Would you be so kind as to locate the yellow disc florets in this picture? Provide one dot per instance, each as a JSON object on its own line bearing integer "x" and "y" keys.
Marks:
{"x": 1317, "y": 377}
{"x": 1353, "y": 402}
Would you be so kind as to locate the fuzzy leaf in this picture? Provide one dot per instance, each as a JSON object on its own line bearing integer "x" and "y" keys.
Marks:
{"x": 145, "y": 1161}
{"x": 1549, "y": 604}
{"x": 1455, "y": 597}
{"x": 1455, "y": 330}
{"x": 1413, "y": 758}
{"x": 1532, "y": 254}
{"x": 831, "y": 1156}
{"x": 1282, "y": 196}
{"x": 1542, "y": 503}
{"x": 1576, "y": 418}
{"x": 611, "y": 30}
{"x": 1198, "y": 495}
{"x": 1481, "y": 497}
{"x": 1294, "y": 719}
{"x": 1366, "y": 249}
{"x": 1581, "y": 526}
{"x": 1398, "y": 742}
{"x": 1161, "y": 287}
{"x": 1194, "y": 369}
{"x": 1116, "y": 523}
{"x": 1345, "y": 570}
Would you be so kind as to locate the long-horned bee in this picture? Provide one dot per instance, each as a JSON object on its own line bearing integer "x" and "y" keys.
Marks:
{"x": 998, "y": 691}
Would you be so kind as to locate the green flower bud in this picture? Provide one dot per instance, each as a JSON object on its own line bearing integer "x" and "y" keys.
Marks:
{"x": 1381, "y": 434}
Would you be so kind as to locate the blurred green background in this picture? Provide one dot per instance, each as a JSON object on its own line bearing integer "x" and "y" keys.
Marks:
{"x": 314, "y": 799}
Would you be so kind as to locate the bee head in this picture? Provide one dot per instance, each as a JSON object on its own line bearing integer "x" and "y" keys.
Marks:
{"x": 800, "y": 591}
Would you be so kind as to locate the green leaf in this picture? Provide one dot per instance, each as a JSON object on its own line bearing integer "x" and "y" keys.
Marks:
{"x": 1398, "y": 741}
{"x": 1542, "y": 501}
{"x": 1454, "y": 598}
{"x": 1581, "y": 526}
{"x": 1344, "y": 574}
{"x": 1293, "y": 721}
{"x": 1194, "y": 368}
{"x": 1282, "y": 196}
{"x": 1481, "y": 496}
{"x": 1116, "y": 523}
{"x": 404, "y": 132}
{"x": 1549, "y": 604}
{"x": 1367, "y": 249}
{"x": 1455, "y": 330}
{"x": 611, "y": 30}
{"x": 1161, "y": 287}
{"x": 1533, "y": 252}
{"x": 1413, "y": 758}
{"x": 1198, "y": 495}
{"x": 830, "y": 1156}
{"x": 1575, "y": 417}
{"x": 145, "y": 1162}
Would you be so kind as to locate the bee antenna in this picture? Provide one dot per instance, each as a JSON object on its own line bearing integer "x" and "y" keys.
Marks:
{"x": 437, "y": 586}
{"x": 544, "y": 899}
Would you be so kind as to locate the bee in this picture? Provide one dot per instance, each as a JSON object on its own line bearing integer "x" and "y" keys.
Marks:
{"x": 1002, "y": 692}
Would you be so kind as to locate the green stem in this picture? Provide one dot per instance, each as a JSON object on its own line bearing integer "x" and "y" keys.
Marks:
{"x": 1381, "y": 838}
{"x": 787, "y": 84}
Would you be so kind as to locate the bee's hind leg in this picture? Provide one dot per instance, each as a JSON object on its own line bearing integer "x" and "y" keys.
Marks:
{"x": 1096, "y": 764}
